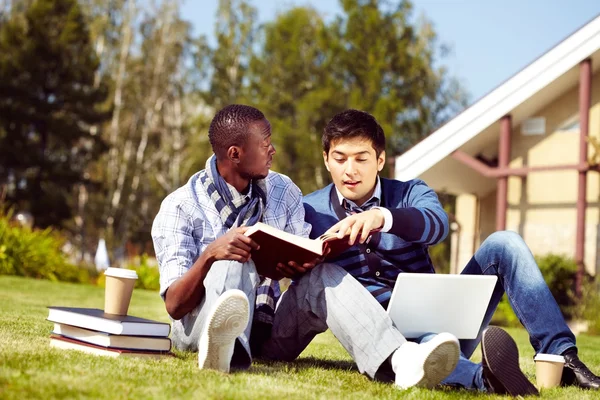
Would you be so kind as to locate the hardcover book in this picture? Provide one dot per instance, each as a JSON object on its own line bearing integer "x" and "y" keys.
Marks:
{"x": 111, "y": 340}
{"x": 277, "y": 246}
{"x": 63, "y": 342}
{"x": 97, "y": 320}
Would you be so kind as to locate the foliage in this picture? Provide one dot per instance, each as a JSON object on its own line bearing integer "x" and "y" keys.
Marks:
{"x": 440, "y": 256}
{"x": 591, "y": 311}
{"x": 49, "y": 101}
{"x": 440, "y": 253}
{"x": 148, "y": 275}
{"x": 149, "y": 130}
{"x": 130, "y": 77}
{"x": 372, "y": 57}
{"x": 291, "y": 80}
{"x": 588, "y": 307}
{"x": 386, "y": 64}
{"x": 559, "y": 273}
{"x": 235, "y": 28}
{"x": 35, "y": 253}
{"x": 504, "y": 315}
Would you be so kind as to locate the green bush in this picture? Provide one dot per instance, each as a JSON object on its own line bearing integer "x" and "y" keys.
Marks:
{"x": 35, "y": 253}
{"x": 559, "y": 273}
{"x": 591, "y": 313}
{"x": 148, "y": 276}
{"x": 588, "y": 308}
{"x": 504, "y": 315}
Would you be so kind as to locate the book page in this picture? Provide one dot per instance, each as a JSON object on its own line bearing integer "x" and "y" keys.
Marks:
{"x": 312, "y": 245}
{"x": 326, "y": 237}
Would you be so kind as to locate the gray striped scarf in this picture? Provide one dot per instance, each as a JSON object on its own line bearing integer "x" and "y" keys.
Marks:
{"x": 235, "y": 211}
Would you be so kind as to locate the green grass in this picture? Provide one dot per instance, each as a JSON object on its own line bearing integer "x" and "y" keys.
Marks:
{"x": 30, "y": 369}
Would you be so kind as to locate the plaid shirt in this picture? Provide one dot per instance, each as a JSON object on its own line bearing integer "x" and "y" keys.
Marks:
{"x": 188, "y": 221}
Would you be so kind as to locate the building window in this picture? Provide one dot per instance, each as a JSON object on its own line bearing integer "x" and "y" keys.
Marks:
{"x": 571, "y": 125}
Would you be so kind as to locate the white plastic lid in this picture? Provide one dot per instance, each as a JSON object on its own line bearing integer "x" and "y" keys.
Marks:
{"x": 121, "y": 273}
{"x": 550, "y": 358}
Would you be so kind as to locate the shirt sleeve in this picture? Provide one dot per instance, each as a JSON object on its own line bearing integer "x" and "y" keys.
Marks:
{"x": 422, "y": 219}
{"x": 172, "y": 235}
{"x": 387, "y": 218}
{"x": 295, "y": 212}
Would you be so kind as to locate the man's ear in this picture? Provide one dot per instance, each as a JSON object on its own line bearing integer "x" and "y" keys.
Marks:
{"x": 234, "y": 153}
{"x": 381, "y": 161}
{"x": 325, "y": 161}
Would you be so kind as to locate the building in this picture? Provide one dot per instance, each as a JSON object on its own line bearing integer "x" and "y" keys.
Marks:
{"x": 525, "y": 157}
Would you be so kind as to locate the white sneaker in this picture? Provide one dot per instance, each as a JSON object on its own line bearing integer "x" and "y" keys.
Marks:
{"x": 426, "y": 364}
{"x": 227, "y": 321}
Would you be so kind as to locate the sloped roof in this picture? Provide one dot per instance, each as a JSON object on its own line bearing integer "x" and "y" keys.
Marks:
{"x": 536, "y": 85}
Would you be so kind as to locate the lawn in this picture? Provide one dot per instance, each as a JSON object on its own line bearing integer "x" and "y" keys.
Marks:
{"x": 30, "y": 369}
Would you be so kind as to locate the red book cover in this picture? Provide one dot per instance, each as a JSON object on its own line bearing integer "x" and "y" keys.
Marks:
{"x": 63, "y": 342}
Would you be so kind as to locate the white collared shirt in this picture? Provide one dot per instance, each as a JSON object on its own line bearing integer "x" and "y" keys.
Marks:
{"x": 387, "y": 215}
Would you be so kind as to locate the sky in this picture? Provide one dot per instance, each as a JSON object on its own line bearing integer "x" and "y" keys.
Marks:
{"x": 490, "y": 40}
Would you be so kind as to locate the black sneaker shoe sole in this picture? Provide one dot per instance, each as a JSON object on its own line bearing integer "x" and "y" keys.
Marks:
{"x": 501, "y": 355}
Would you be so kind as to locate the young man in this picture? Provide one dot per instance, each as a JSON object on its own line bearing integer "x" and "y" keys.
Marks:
{"x": 211, "y": 287}
{"x": 411, "y": 219}
{"x": 206, "y": 277}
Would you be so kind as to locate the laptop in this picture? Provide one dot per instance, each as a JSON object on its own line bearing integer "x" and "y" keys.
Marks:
{"x": 433, "y": 303}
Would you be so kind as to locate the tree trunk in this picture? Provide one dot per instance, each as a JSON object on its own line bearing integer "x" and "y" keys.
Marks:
{"x": 153, "y": 108}
{"x": 82, "y": 197}
{"x": 177, "y": 143}
{"x": 82, "y": 194}
{"x": 113, "y": 155}
{"x": 120, "y": 183}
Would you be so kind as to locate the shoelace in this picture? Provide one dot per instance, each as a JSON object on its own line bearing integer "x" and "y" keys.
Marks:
{"x": 585, "y": 371}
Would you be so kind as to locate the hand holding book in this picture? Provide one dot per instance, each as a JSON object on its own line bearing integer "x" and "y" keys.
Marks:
{"x": 293, "y": 270}
{"x": 234, "y": 245}
{"x": 282, "y": 253}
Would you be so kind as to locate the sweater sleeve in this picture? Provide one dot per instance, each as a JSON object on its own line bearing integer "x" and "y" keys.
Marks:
{"x": 421, "y": 218}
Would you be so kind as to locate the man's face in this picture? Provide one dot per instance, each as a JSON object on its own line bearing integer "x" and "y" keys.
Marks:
{"x": 257, "y": 153}
{"x": 354, "y": 164}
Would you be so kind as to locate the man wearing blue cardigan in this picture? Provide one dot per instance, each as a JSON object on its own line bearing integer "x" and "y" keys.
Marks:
{"x": 220, "y": 305}
{"x": 410, "y": 219}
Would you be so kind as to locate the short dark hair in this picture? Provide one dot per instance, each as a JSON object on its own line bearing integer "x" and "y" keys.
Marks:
{"x": 230, "y": 126}
{"x": 351, "y": 124}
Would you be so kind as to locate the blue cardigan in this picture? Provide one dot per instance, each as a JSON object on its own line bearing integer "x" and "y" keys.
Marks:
{"x": 419, "y": 221}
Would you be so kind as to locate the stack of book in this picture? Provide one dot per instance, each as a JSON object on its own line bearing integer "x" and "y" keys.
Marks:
{"x": 93, "y": 331}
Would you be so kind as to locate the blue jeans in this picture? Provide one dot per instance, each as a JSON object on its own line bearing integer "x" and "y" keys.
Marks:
{"x": 506, "y": 255}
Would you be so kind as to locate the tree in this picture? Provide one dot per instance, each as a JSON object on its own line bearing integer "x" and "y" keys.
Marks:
{"x": 290, "y": 81}
{"x": 152, "y": 65}
{"x": 134, "y": 82}
{"x": 221, "y": 75}
{"x": 372, "y": 57}
{"x": 387, "y": 66}
{"x": 148, "y": 135}
{"x": 47, "y": 70}
{"x": 235, "y": 29}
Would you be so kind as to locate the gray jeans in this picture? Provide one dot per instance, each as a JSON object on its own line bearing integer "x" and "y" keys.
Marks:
{"x": 325, "y": 298}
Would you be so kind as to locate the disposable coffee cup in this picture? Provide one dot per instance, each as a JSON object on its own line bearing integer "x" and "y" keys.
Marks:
{"x": 548, "y": 370}
{"x": 118, "y": 290}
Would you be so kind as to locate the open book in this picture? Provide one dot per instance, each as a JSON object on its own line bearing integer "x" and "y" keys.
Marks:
{"x": 277, "y": 246}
